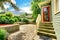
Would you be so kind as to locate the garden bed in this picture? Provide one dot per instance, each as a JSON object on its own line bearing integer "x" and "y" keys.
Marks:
{"x": 10, "y": 27}
{"x": 4, "y": 24}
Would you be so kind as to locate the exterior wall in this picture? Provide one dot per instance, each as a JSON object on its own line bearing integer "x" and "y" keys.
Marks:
{"x": 56, "y": 20}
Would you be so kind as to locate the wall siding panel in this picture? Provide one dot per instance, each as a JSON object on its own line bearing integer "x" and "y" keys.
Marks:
{"x": 56, "y": 20}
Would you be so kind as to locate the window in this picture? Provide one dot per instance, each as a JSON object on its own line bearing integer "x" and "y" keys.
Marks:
{"x": 58, "y": 5}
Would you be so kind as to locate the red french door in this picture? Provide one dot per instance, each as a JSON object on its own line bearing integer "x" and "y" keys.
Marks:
{"x": 46, "y": 14}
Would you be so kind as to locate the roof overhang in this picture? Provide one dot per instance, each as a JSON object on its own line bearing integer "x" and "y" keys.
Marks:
{"x": 43, "y": 3}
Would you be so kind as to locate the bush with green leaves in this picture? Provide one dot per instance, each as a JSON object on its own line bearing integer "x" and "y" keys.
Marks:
{"x": 6, "y": 20}
{"x": 2, "y": 34}
{"x": 9, "y": 18}
{"x": 10, "y": 21}
{"x": 9, "y": 14}
{"x": 25, "y": 20}
{"x": 17, "y": 18}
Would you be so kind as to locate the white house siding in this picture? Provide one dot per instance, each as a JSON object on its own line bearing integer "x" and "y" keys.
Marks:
{"x": 56, "y": 20}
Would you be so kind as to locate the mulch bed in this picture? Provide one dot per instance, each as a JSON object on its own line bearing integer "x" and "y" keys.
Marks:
{"x": 4, "y": 24}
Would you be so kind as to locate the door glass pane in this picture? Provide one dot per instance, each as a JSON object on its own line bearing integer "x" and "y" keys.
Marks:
{"x": 46, "y": 14}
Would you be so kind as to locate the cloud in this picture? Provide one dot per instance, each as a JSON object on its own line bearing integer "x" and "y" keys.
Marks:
{"x": 26, "y": 9}
{"x": 6, "y": 6}
{"x": 26, "y": 4}
{"x": 11, "y": 10}
{"x": 13, "y": 1}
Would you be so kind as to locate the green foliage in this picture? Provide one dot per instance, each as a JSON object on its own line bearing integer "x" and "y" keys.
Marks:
{"x": 17, "y": 18}
{"x": 34, "y": 21}
{"x": 8, "y": 18}
{"x": 43, "y": 0}
{"x": 23, "y": 15}
{"x": 2, "y": 34}
{"x": 36, "y": 10}
{"x": 2, "y": 0}
{"x": 11, "y": 21}
{"x": 9, "y": 14}
{"x": 2, "y": 19}
{"x": 25, "y": 20}
{"x": 9, "y": 1}
{"x": 36, "y": 0}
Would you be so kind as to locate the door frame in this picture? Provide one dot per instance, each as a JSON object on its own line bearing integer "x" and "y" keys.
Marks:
{"x": 48, "y": 14}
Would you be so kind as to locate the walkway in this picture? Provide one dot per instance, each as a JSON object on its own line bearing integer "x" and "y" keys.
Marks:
{"x": 30, "y": 30}
{"x": 27, "y": 32}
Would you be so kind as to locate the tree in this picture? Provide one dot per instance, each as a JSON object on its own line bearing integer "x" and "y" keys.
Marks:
{"x": 4, "y": 1}
{"x": 35, "y": 8}
{"x": 36, "y": 0}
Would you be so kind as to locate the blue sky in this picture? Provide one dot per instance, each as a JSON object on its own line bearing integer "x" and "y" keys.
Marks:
{"x": 24, "y": 5}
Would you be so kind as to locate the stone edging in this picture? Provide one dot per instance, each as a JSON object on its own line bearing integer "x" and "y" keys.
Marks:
{"x": 11, "y": 28}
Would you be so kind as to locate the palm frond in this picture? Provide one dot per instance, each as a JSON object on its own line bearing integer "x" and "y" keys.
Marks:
{"x": 14, "y": 6}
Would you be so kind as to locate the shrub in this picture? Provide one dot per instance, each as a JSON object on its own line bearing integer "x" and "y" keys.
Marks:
{"x": 25, "y": 20}
{"x": 17, "y": 18}
{"x": 9, "y": 14}
{"x": 10, "y": 21}
{"x": 6, "y": 20}
{"x": 2, "y": 34}
{"x": 2, "y": 20}
{"x": 9, "y": 18}
{"x": 34, "y": 21}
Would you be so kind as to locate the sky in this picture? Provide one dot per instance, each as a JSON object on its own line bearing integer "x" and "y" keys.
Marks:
{"x": 24, "y": 5}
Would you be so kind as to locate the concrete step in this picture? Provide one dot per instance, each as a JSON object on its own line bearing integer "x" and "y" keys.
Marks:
{"x": 47, "y": 30}
{"x": 46, "y": 34}
{"x": 46, "y": 24}
{"x": 44, "y": 27}
{"x": 39, "y": 37}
